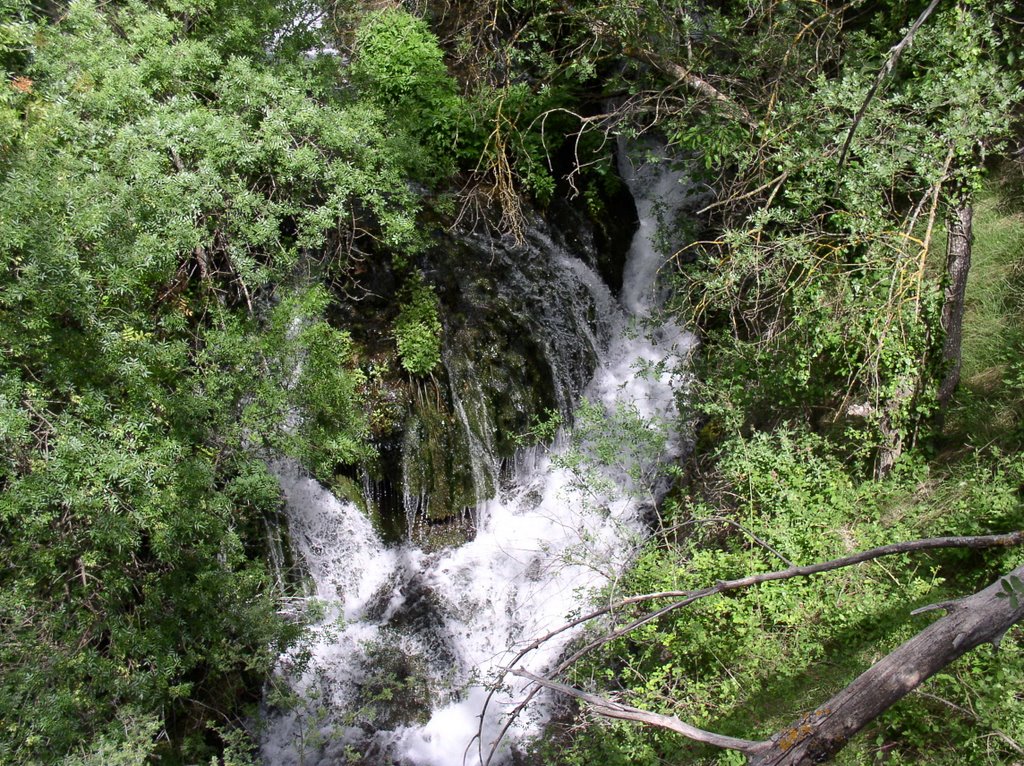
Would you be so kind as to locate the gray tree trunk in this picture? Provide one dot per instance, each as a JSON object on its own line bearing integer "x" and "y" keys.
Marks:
{"x": 958, "y": 264}
{"x": 979, "y": 619}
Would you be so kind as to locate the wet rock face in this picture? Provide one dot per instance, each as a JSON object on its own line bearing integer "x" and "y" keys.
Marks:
{"x": 600, "y": 231}
{"x": 495, "y": 357}
{"x": 436, "y": 478}
{"x": 522, "y": 332}
{"x": 522, "y": 328}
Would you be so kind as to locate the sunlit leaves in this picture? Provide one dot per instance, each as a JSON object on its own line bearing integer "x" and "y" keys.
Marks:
{"x": 162, "y": 185}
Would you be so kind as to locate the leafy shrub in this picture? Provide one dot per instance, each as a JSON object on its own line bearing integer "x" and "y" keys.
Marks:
{"x": 399, "y": 65}
{"x": 418, "y": 329}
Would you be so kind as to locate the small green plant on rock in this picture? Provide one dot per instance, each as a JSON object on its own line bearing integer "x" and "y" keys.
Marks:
{"x": 418, "y": 329}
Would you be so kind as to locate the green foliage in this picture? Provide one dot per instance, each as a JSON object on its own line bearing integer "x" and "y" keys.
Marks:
{"x": 16, "y": 31}
{"x": 132, "y": 743}
{"x": 168, "y": 168}
{"x": 543, "y": 429}
{"x": 399, "y": 65}
{"x": 327, "y": 396}
{"x": 399, "y": 58}
{"x": 1013, "y": 589}
{"x": 396, "y": 690}
{"x": 617, "y": 450}
{"x": 418, "y": 328}
{"x": 832, "y": 284}
{"x": 748, "y": 663}
{"x": 130, "y": 579}
{"x": 307, "y": 400}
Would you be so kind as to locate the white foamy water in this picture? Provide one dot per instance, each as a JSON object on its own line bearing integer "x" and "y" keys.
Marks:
{"x": 452, "y": 620}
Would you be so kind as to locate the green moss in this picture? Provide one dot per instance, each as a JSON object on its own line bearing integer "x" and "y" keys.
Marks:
{"x": 449, "y": 533}
{"x": 418, "y": 328}
{"x": 346, "y": 489}
{"x": 437, "y": 461}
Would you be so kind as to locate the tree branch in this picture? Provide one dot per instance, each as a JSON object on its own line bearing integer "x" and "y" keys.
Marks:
{"x": 979, "y": 619}
{"x": 683, "y": 75}
{"x": 890, "y": 63}
{"x": 611, "y": 709}
{"x": 819, "y": 735}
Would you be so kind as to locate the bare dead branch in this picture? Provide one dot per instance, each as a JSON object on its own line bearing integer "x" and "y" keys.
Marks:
{"x": 611, "y": 709}
{"x": 818, "y": 735}
{"x": 979, "y": 619}
{"x": 685, "y": 598}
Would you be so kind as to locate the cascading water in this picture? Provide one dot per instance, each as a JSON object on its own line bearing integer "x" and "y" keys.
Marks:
{"x": 397, "y": 669}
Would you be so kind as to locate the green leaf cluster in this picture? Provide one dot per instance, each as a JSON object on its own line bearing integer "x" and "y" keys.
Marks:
{"x": 398, "y": 65}
{"x": 417, "y": 328}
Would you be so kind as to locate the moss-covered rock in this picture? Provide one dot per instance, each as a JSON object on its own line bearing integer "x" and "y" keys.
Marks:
{"x": 520, "y": 335}
{"x": 437, "y": 481}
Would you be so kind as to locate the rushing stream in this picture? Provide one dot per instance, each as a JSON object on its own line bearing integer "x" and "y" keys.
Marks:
{"x": 397, "y": 669}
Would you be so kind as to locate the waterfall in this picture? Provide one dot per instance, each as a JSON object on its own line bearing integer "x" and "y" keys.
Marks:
{"x": 397, "y": 668}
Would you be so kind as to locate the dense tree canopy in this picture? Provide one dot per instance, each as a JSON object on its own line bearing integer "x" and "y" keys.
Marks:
{"x": 170, "y": 173}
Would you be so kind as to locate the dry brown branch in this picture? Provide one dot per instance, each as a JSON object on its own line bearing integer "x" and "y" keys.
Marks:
{"x": 611, "y": 709}
{"x": 777, "y": 181}
{"x": 695, "y": 82}
{"x": 926, "y": 245}
{"x": 494, "y": 182}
